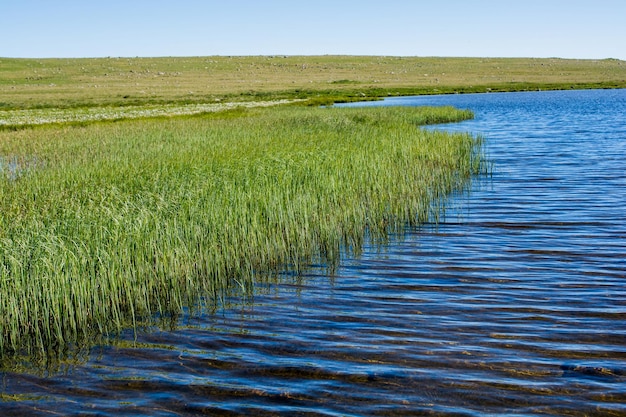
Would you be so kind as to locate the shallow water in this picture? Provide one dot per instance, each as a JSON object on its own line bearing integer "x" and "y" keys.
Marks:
{"x": 514, "y": 305}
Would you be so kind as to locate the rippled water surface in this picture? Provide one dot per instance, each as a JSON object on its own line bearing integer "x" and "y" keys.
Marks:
{"x": 514, "y": 305}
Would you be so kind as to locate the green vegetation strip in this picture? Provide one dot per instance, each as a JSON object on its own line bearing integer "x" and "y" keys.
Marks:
{"x": 107, "y": 225}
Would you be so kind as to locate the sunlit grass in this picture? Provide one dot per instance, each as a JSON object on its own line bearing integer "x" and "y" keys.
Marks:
{"x": 107, "y": 225}
{"x": 88, "y": 82}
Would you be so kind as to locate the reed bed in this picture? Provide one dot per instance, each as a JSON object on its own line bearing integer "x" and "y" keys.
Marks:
{"x": 105, "y": 226}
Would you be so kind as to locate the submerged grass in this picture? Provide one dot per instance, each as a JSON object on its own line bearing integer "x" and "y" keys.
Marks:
{"x": 106, "y": 225}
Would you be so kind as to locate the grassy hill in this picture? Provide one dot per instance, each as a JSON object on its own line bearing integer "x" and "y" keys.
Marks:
{"x": 46, "y": 83}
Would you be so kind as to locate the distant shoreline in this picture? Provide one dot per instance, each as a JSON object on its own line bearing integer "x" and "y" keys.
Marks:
{"x": 65, "y": 83}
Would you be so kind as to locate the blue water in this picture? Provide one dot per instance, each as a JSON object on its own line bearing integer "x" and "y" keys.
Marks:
{"x": 514, "y": 305}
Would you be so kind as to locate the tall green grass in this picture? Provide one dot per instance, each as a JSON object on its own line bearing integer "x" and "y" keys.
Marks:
{"x": 107, "y": 225}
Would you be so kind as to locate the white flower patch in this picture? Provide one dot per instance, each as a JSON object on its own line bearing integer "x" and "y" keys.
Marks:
{"x": 43, "y": 116}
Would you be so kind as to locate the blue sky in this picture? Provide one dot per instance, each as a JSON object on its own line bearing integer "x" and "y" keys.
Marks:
{"x": 482, "y": 28}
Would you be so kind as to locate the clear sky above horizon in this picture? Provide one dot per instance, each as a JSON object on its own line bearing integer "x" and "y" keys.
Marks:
{"x": 478, "y": 28}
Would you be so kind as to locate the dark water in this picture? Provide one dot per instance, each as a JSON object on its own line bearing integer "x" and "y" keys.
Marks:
{"x": 515, "y": 305}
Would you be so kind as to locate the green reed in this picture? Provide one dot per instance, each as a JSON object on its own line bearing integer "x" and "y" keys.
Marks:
{"x": 107, "y": 225}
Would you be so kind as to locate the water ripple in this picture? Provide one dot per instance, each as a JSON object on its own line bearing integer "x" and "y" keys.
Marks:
{"x": 514, "y": 305}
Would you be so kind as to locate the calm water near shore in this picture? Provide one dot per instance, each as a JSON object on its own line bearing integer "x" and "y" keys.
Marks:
{"x": 515, "y": 304}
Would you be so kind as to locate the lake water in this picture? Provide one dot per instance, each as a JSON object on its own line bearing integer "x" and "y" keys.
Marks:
{"x": 514, "y": 305}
